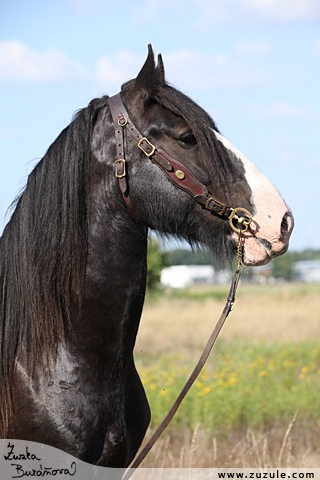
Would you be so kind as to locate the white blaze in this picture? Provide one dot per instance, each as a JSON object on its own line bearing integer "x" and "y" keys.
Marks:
{"x": 254, "y": 177}
{"x": 270, "y": 210}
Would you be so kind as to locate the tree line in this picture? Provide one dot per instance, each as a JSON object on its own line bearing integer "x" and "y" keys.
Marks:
{"x": 281, "y": 267}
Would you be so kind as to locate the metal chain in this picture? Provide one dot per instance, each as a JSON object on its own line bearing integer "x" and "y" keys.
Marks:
{"x": 239, "y": 252}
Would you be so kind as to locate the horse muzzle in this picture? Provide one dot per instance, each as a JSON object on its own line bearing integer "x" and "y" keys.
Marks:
{"x": 269, "y": 234}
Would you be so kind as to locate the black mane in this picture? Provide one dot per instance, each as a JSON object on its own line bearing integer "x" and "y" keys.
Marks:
{"x": 43, "y": 247}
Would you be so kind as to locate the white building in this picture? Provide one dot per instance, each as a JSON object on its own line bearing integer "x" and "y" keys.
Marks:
{"x": 307, "y": 271}
{"x": 181, "y": 276}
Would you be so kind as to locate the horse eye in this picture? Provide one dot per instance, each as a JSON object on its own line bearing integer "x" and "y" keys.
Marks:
{"x": 188, "y": 139}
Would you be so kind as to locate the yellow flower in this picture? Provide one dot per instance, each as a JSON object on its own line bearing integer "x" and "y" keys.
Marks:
{"x": 272, "y": 365}
{"x": 288, "y": 363}
{"x": 233, "y": 380}
{"x": 164, "y": 392}
{"x": 263, "y": 373}
{"x": 152, "y": 386}
{"x": 304, "y": 369}
{"x": 207, "y": 390}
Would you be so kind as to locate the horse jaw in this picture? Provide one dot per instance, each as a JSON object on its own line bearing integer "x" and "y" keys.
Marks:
{"x": 272, "y": 222}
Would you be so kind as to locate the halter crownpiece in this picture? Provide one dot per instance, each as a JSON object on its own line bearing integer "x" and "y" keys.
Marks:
{"x": 177, "y": 173}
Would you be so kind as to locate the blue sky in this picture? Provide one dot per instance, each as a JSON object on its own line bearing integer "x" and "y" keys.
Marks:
{"x": 254, "y": 65}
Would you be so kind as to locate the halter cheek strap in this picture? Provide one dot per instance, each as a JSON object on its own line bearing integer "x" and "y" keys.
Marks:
{"x": 176, "y": 172}
{"x": 120, "y": 163}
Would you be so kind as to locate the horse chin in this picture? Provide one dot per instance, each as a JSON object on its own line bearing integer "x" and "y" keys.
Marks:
{"x": 254, "y": 253}
{"x": 254, "y": 260}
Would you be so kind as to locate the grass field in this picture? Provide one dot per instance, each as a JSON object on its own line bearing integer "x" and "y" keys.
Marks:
{"x": 257, "y": 400}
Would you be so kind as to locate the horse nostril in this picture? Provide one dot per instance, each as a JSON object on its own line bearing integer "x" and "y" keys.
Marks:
{"x": 286, "y": 224}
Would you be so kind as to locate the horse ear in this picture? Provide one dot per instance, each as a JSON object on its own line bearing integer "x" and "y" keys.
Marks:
{"x": 160, "y": 71}
{"x": 149, "y": 79}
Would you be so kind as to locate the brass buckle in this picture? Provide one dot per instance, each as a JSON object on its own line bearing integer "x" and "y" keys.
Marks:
{"x": 243, "y": 222}
{"x": 124, "y": 168}
{"x": 211, "y": 199}
{"x": 152, "y": 146}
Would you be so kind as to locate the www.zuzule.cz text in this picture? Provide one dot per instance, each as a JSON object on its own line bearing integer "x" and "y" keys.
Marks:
{"x": 278, "y": 474}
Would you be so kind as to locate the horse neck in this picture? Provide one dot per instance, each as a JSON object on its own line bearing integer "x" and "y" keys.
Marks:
{"x": 115, "y": 282}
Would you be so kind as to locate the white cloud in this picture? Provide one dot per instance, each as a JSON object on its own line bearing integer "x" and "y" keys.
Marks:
{"x": 284, "y": 10}
{"x": 213, "y": 71}
{"x": 226, "y": 12}
{"x": 217, "y": 13}
{"x": 148, "y": 11}
{"x": 315, "y": 162}
{"x": 315, "y": 48}
{"x": 254, "y": 49}
{"x": 283, "y": 110}
{"x": 18, "y": 62}
{"x": 10, "y": 133}
{"x": 112, "y": 71}
{"x": 84, "y": 5}
{"x": 242, "y": 70}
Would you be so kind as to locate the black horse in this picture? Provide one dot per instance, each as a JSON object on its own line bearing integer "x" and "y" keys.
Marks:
{"x": 73, "y": 260}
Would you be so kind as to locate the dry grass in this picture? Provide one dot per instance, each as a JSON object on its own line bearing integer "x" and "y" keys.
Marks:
{"x": 294, "y": 446}
{"x": 281, "y": 314}
{"x": 274, "y": 314}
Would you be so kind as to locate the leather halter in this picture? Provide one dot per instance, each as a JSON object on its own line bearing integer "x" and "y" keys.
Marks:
{"x": 177, "y": 173}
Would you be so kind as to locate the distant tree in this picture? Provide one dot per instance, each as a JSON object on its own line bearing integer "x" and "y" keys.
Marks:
{"x": 157, "y": 260}
{"x": 188, "y": 257}
{"x": 282, "y": 267}
{"x": 307, "y": 254}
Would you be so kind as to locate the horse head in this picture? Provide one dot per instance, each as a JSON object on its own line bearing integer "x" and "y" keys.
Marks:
{"x": 179, "y": 129}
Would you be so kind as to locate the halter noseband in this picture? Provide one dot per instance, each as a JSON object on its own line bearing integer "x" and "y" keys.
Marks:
{"x": 177, "y": 173}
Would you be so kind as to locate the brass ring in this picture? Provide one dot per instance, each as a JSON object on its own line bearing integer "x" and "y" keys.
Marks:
{"x": 122, "y": 121}
{"x": 245, "y": 223}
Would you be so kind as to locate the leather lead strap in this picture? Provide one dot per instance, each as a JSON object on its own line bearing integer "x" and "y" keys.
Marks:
{"x": 227, "y": 309}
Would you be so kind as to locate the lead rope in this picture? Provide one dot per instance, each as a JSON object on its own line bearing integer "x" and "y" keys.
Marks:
{"x": 229, "y": 306}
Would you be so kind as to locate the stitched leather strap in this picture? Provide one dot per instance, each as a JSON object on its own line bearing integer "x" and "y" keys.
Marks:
{"x": 177, "y": 173}
{"x": 120, "y": 163}
{"x": 189, "y": 183}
